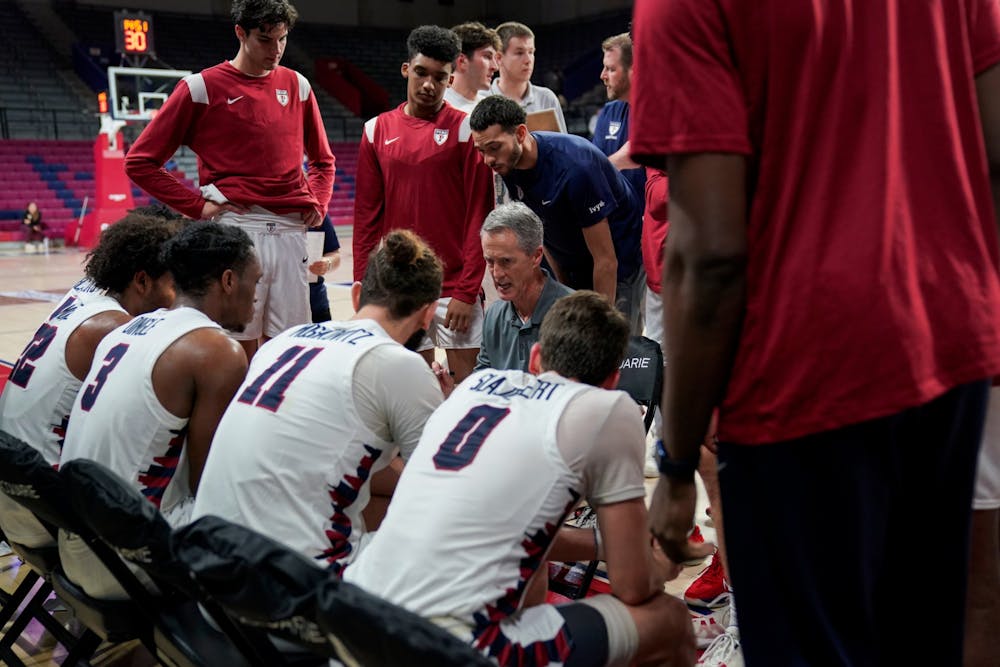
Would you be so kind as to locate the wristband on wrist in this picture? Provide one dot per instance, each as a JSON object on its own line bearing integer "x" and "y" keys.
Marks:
{"x": 674, "y": 468}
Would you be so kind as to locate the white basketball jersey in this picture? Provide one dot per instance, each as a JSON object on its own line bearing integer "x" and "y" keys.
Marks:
{"x": 39, "y": 394}
{"x": 479, "y": 501}
{"x": 291, "y": 457}
{"x": 117, "y": 419}
{"x": 85, "y": 289}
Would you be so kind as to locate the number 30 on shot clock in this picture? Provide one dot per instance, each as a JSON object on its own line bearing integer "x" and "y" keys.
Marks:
{"x": 134, "y": 33}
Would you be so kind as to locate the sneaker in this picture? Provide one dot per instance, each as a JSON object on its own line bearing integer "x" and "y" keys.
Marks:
{"x": 695, "y": 537}
{"x": 709, "y": 589}
{"x": 583, "y": 516}
{"x": 723, "y": 652}
{"x": 708, "y": 625}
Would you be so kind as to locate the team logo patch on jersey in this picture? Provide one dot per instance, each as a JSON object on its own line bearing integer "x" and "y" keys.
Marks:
{"x": 282, "y": 96}
{"x": 271, "y": 226}
{"x": 613, "y": 128}
{"x": 440, "y": 136}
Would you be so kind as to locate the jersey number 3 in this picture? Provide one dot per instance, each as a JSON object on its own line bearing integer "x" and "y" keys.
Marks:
{"x": 111, "y": 360}
{"x": 459, "y": 449}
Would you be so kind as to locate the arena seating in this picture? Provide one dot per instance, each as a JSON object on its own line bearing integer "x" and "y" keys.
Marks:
{"x": 35, "y": 98}
{"x": 59, "y": 174}
{"x": 55, "y": 174}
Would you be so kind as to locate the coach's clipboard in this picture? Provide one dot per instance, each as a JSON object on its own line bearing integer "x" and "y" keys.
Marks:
{"x": 544, "y": 120}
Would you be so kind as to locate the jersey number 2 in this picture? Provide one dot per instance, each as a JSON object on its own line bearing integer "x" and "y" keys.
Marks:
{"x": 275, "y": 394}
{"x": 461, "y": 446}
{"x": 23, "y": 369}
{"x": 111, "y": 360}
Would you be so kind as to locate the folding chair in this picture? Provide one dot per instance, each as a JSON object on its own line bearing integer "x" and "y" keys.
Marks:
{"x": 129, "y": 524}
{"x": 265, "y": 583}
{"x": 642, "y": 375}
{"x": 257, "y": 580}
{"x": 377, "y": 632}
{"x": 29, "y": 480}
{"x": 642, "y": 379}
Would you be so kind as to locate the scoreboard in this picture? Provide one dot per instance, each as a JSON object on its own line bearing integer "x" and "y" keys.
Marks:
{"x": 134, "y": 33}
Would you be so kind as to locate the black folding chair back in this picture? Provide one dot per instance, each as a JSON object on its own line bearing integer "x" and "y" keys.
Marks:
{"x": 28, "y": 479}
{"x": 257, "y": 580}
{"x": 124, "y": 519}
{"x": 377, "y": 632}
{"x": 130, "y": 525}
{"x": 642, "y": 374}
{"x": 264, "y": 582}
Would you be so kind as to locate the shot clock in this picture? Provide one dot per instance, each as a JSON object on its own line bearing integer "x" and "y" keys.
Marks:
{"x": 134, "y": 33}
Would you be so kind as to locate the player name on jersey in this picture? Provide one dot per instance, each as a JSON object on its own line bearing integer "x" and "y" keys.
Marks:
{"x": 349, "y": 335}
{"x": 141, "y": 326}
{"x": 496, "y": 384}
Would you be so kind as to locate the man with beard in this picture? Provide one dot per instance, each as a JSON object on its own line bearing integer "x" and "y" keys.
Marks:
{"x": 611, "y": 131}
{"x": 324, "y": 409}
{"x": 590, "y": 213}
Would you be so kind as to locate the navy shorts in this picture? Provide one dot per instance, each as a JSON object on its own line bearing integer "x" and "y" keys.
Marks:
{"x": 850, "y": 547}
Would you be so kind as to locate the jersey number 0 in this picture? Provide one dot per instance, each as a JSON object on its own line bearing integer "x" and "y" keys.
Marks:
{"x": 461, "y": 446}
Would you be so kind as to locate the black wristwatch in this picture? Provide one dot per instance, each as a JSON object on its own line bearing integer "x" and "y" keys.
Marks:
{"x": 674, "y": 468}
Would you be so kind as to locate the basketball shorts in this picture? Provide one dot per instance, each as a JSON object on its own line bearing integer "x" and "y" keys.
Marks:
{"x": 593, "y": 632}
{"x": 282, "y": 298}
{"x": 438, "y": 335}
{"x": 987, "y": 492}
{"x": 85, "y": 569}
{"x": 20, "y": 525}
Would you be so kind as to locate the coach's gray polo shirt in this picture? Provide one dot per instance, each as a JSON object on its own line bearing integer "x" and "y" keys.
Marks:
{"x": 538, "y": 98}
{"x": 507, "y": 340}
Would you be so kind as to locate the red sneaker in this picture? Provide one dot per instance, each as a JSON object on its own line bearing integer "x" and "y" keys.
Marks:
{"x": 709, "y": 589}
{"x": 695, "y": 537}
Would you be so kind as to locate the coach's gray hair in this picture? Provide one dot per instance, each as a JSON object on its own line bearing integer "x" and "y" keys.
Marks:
{"x": 520, "y": 220}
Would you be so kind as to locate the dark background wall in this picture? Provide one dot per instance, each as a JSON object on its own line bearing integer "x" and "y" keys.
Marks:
{"x": 401, "y": 13}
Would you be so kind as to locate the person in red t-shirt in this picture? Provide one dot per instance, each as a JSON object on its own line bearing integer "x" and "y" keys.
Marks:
{"x": 419, "y": 170}
{"x": 831, "y": 284}
{"x": 249, "y": 120}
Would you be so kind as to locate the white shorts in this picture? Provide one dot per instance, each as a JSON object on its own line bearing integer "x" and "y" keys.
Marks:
{"x": 438, "y": 335}
{"x": 654, "y": 316}
{"x": 592, "y": 632}
{"x": 987, "y": 492}
{"x": 282, "y": 298}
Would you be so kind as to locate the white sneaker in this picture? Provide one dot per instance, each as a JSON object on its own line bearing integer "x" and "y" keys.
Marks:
{"x": 652, "y": 467}
{"x": 723, "y": 652}
{"x": 709, "y": 626}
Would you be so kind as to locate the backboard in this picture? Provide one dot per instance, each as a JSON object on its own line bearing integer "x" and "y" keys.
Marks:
{"x": 137, "y": 93}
